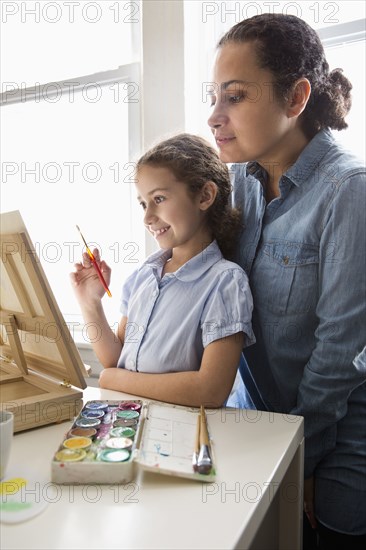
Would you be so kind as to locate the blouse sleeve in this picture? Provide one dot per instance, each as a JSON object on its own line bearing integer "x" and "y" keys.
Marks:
{"x": 228, "y": 309}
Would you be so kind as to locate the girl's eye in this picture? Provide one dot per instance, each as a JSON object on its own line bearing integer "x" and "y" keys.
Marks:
{"x": 158, "y": 199}
{"x": 143, "y": 205}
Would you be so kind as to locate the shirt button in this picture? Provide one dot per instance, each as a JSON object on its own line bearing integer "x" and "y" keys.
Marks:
{"x": 285, "y": 260}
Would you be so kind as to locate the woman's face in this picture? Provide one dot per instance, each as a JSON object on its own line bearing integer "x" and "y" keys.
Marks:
{"x": 247, "y": 120}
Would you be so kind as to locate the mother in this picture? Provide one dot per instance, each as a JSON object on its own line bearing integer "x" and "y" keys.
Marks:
{"x": 303, "y": 245}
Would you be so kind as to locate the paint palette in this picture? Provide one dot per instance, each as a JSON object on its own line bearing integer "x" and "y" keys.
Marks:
{"x": 110, "y": 439}
{"x": 100, "y": 445}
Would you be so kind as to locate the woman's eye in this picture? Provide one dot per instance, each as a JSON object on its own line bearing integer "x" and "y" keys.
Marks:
{"x": 143, "y": 205}
{"x": 158, "y": 199}
{"x": 236, "y": 98}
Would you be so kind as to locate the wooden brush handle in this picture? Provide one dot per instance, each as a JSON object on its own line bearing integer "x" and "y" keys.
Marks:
{"x": 198, "y": 431}
{"x": 204, "y": 440}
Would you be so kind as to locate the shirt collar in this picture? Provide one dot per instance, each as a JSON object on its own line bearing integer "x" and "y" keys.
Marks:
{"x": 158, "y": 259}
{"x": 191, "y": 270}
{"x": 307, "y": 162}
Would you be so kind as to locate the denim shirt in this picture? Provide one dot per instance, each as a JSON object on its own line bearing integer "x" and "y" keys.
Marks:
{"x": 304, "y": 253}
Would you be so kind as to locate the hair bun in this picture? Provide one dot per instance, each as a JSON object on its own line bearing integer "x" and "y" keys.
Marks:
{"x": 337, "y": 78}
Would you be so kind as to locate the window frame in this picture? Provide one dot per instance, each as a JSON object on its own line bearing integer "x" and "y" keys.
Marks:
{"x": 126, "y": 74}
{"x": 343, "y": 33}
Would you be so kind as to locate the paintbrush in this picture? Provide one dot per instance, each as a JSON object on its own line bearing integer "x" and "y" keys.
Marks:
{"x": 95, "y": 264}
{"x": 204, "y": 461}
{"x": 196, "y": 444}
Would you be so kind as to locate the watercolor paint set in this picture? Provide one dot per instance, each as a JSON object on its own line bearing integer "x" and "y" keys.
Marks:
{"x": 110, "y": 440}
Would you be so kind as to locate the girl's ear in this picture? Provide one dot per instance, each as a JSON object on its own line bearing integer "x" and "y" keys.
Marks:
{"x": 208, "y": 195}
{"x": 299, "y": 96}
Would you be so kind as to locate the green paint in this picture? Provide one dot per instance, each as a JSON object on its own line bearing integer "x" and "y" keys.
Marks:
{"x": 14, "y": 506}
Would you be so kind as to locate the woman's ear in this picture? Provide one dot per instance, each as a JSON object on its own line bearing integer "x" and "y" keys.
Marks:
{"x": 299, "y": 96}
{"x": 208, "y": 195}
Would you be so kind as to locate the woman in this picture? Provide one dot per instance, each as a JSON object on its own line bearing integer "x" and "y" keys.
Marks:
{"x": 303, "y": 246}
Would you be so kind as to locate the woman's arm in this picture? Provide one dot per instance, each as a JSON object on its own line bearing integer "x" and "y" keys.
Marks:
{"x": 210, "y": 386}
{"x": 330, "y": 375}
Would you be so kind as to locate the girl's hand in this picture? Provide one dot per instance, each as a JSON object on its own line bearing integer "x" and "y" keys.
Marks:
{"x": 87, "y": 285}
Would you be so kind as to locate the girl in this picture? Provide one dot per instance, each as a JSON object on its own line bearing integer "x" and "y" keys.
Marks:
{"x": 303, "y": 201}
{"x": 186, "y": 312}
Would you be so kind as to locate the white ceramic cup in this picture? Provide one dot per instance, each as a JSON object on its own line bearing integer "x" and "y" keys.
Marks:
{"x": 6, "y": 436}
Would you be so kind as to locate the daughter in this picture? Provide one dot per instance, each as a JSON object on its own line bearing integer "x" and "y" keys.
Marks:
{"x": 186, "y": 312}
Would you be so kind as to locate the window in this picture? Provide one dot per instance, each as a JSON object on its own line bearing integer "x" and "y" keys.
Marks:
{"x": 69, "y": 142}
{"x": 343, "y": 44}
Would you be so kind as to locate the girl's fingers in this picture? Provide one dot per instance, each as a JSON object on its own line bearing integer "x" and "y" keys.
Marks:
{"x": 96, "y": 254}
{"x": 86, "y": 260}
{"x": 78, "y": 266}
{"x": 104, "y": 267}
{"x": 86, "y": 263}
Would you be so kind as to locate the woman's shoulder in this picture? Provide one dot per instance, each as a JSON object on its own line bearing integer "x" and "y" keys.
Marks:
{"x": 341, "y": 163}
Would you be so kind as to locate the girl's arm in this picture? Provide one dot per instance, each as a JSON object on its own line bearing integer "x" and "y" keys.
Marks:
{"x": 210, "y": 386}
{"x": 89, "y": 291}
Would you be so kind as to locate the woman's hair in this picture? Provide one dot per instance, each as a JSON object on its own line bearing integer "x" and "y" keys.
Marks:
{"x": 291, "y": 49}
{"x": 193, "y": 161}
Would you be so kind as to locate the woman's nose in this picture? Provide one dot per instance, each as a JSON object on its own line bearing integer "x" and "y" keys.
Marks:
{"x": 217, "y": 118}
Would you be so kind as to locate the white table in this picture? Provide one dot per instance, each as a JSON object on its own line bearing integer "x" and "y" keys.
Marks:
{"x": 256, "y": 501}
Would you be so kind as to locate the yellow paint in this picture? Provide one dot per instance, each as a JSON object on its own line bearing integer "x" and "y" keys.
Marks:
{"x": 77, "y": 442}
{"x": 12, "y": 486}
{"x": 69, "y": 455}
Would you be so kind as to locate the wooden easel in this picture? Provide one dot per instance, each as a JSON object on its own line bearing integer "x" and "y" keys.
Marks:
{"x": 37, "y": 350}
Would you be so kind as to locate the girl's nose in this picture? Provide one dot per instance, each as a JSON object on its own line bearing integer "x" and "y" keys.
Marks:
{"x": 149, "y": 215}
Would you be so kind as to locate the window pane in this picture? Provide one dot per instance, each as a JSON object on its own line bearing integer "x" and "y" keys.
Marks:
{"x": 66, "y": 163}
{"x": 51, "y": 41}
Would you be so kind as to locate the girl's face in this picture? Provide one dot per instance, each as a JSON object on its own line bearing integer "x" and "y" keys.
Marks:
{"x": 171, "y": 214}
{"x": 247, "y": 120}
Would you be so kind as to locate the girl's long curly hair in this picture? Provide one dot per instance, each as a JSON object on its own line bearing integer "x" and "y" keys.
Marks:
{"x": 193, "y": 161}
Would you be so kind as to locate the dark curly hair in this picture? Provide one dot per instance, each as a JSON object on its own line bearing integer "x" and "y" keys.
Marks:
{"x": 291, "y": 49}
{"x": 193, "y": 161}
